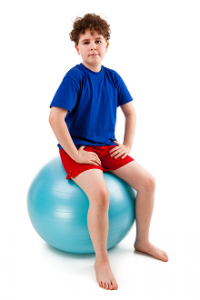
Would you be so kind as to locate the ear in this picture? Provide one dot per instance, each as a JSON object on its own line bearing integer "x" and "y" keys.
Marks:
{"x": 77, "y": 49}
{"x": 107, "y": 46}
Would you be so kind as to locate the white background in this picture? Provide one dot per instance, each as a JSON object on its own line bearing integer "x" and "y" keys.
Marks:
{"x": 155, "y": 47}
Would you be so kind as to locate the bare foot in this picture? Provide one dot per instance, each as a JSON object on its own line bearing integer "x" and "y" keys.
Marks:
{"x": 148, "y": 248}
{"x": 104, "y": 276}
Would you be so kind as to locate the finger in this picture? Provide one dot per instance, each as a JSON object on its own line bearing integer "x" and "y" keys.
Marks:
{"x": 124, "y": 155}
{"x": 94, "y": 162}
{"x": 114, "y": 148}
{"x": 115, "y": 152}
{"x": 96, "y": 158}
{"x": 119, "y": 154}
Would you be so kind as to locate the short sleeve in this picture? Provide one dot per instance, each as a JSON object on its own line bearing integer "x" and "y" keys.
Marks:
{"x": 123, "y": 94}
{"x": 66, "y": 94}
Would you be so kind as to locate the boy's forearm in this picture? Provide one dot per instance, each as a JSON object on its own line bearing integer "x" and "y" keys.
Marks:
{"x": 63, "y": 136}
{"x": 130, "y": 126}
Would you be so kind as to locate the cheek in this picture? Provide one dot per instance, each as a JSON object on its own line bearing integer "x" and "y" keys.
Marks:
{"x": 84, "y": 51}
{"x": 103, "y": 48}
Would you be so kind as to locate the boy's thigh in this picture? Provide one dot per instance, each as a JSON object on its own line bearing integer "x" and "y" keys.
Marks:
{"x": 89, "y": 177}
{"x": 93, "y": 184}
{"x": 135, "y": 175}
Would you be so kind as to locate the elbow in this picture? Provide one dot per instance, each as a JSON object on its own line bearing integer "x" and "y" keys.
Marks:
{"x": 51, "y": 119}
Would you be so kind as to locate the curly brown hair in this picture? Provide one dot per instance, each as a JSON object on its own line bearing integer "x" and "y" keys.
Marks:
{"x": 92, "y": 22}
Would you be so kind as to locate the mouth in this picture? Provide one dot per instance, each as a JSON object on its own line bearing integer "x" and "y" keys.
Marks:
{"x": 93, "y": 54}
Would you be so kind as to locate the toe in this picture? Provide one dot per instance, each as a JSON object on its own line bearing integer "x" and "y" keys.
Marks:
{"x": 115, "y": 286}
{"x": 165, "y": 257}
{"x": 111, "y": 285}
{"x": 165, "y": 254}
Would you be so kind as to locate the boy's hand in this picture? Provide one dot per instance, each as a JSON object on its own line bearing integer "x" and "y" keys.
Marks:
{"x": 119, "y": 150}
{"x": 87, "y": 157}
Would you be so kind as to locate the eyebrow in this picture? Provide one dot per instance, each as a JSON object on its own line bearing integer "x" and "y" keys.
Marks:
{"x": 98, "y": 38}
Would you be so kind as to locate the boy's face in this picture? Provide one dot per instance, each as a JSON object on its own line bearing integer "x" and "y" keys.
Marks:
{"x": 95, "y": 44}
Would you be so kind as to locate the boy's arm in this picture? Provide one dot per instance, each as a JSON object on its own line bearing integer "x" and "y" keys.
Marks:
{"x": 130, "y": 124}
{"x": 59, "y": 127}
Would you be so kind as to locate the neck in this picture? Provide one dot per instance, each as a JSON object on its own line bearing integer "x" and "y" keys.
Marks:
{"x": 94, "y": 68}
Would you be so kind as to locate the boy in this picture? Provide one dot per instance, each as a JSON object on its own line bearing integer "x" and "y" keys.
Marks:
{"x": 83, "y": 117}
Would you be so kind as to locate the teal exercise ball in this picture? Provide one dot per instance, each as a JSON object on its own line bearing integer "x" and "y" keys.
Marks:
{"x": 58, "y": 209}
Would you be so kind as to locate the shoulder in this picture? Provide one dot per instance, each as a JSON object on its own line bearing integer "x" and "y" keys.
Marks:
{"x": 114, "y": 75}
{"x": 75, "y": 72}
{"x": 75, "y": 75}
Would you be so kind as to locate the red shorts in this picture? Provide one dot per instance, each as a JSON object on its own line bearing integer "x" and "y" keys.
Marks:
{"x": 108, "y": 163}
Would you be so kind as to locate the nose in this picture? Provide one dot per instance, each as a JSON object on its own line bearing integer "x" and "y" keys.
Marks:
{"x": 93, "y": 45}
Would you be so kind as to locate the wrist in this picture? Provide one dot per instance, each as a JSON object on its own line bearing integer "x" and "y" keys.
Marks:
{"x": 75, "y": 156}
{"x": 127, "y": 145}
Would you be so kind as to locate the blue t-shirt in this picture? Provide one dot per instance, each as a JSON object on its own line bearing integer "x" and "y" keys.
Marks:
{"x": 92, "y": 99}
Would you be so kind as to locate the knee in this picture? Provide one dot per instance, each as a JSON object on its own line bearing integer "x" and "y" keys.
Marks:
{"x": 150, "y": 183}
{"x": 102, "y": 197}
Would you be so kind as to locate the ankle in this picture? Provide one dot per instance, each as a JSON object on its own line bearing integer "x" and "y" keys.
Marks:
{"x": 142, "y": 241}
{"x": 101, "y": 259}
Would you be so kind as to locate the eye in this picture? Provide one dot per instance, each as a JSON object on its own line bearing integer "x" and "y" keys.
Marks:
{"x": 88, "y": 42}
